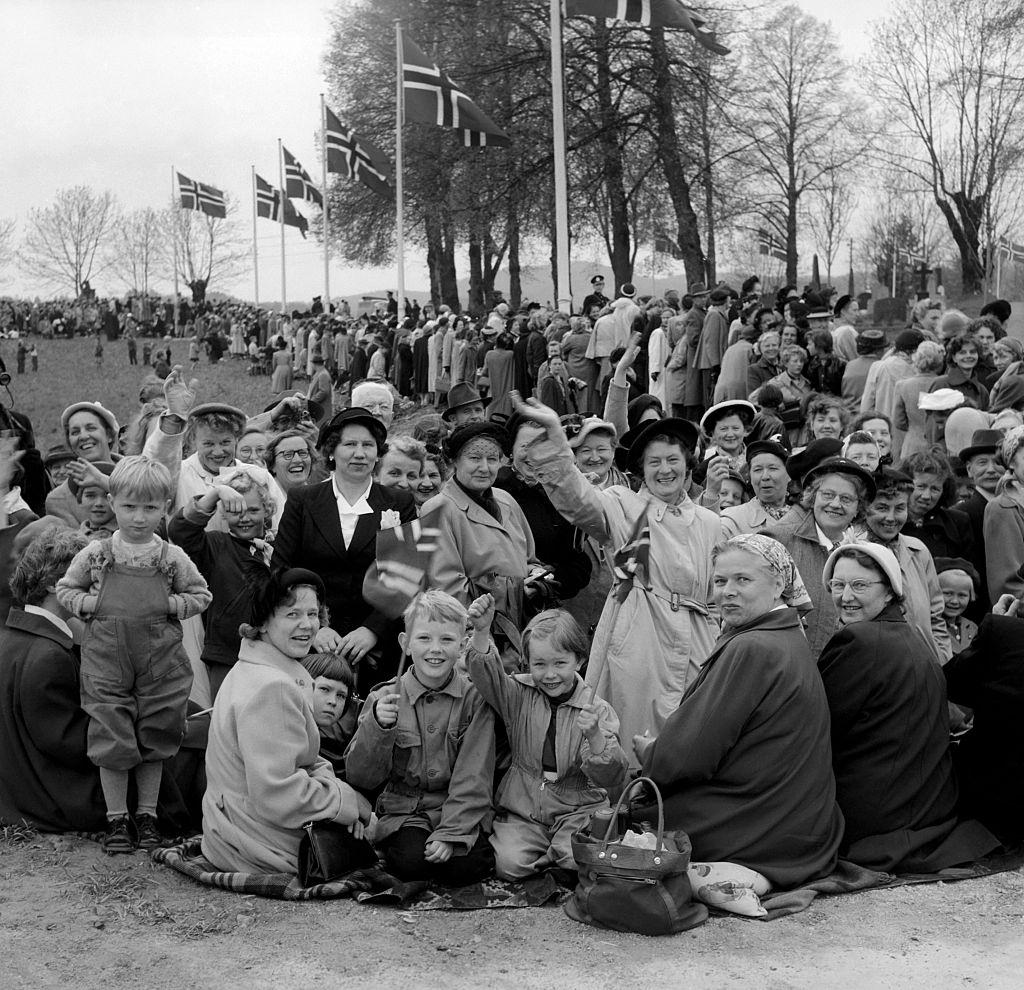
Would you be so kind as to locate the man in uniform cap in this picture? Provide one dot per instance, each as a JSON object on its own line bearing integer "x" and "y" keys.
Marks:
{"x": 597, "y": 297}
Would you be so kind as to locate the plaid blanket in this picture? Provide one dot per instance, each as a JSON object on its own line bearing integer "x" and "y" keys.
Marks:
{"x": 372, "y": 886}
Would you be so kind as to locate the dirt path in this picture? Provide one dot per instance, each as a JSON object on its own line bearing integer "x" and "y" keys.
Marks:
{"x": 70, "y": 916}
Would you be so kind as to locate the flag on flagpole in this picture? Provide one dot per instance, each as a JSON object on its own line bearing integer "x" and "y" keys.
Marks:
{"x": 268, "y": 205}
{"x": 769, "y": 245}
{"x": 355, "y": 158}
{"x": 199, "y": 196}
{"x": 1011, "y": 249}
{"x": 297, "y": 182}
{"x": 658, "y": 13}
{"x": 432, "y": 98}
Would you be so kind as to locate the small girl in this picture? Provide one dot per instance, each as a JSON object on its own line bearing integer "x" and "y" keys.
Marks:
{"x": 564, "y": 741}
{"x": 735, "y": 491}
{"x": 335, "y": 705}
{"x": 959, "y": 582}
{"x": 133, "y": 590}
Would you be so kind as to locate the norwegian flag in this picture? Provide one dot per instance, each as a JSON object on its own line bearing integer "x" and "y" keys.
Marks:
{"x": 297, "y": 182}
{"x": 199, "y": 196}
{"x": 355, "y": 158}
{"x": 632, "y": 560}
{"x": 1010, "y": 249}
{"x": 403, "y": 559}
{"x": 268, "y": 204}
{"x": 768, "y": 244}
{"x": 647, "y": 13}
{"x": 432, "y": 98}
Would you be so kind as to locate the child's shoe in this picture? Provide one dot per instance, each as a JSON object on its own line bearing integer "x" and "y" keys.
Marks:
{"x": 147, "y": 834}
{"x": 118, "y": 838}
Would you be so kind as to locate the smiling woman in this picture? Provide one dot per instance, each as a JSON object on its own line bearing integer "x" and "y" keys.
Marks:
{"x": 90, "y": 431}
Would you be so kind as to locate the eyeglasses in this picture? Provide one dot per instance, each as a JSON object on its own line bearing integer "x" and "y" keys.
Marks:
{"x": 844, "y": 500}
{"x": 837, "y": 587}
{"x": 291, "y": 455}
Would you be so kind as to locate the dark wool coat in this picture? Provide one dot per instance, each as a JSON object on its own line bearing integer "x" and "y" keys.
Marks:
{"x": 890, "y": 743}
{"x": 745, "y": 763}
{"x": 989, "y": 678}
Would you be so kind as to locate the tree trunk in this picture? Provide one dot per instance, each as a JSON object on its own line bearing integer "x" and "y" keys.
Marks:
{"x": 791, "y": 256}
{"x": 671, "y": 158}
{"x": 515, "y": 285}
{"x": 618, "y": 207}
{"x": 963, "y": 225}
{"x": 448, "y": 276}
{"x": 476, "y": 273}
{"x": 198, "y": 288}
{"x": 434, "y": 251}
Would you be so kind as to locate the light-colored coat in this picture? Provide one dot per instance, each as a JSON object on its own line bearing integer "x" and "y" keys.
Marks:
{"x": 648, "y": 649}
{"x": 750, "y": 517}
{"x": 909, "y": 420}
{"x": 265, "y": 777}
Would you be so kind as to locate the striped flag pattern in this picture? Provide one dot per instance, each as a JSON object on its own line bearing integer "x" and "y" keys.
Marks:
{"x": 769, "y": 244}
{"x": 403, "y": 559}
{"x": 268, "y": 205}
{"x": 297, "y": 182}
{"x": 647, "y": 13}
{"x": 632, "y": 560}
{"x": 1010, "y": 249}
{"x": 199, "y": 196}
{"x": 432, "y": 98}
{"x": 355, "y": 158}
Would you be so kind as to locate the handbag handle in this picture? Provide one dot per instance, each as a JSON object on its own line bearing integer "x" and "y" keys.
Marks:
{"x": 661, "y": 811}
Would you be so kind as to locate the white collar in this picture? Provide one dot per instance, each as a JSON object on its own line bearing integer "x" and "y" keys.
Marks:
{"x": 825, "y": 542}
{"x": 55, "y": 619}
{"x": 12, "y": 501}
{"x": 359, "y": 504}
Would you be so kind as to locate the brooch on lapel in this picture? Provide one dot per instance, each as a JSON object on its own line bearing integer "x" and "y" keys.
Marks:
{"x": 390, "y": 519}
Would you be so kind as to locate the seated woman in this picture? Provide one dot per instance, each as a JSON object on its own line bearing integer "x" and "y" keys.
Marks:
{"x": 744, "y": 764}
{"x": 265, "y": 777}
{"x": 890, "y": 725}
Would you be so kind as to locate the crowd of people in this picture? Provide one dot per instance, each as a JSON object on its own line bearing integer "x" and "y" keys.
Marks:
{"x": 728, "y": 541}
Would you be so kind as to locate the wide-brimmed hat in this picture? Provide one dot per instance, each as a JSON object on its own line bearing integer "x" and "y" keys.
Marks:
{"x": 698, "y": 289}
{"x": 355, "y": 414}
{"x": 982, "y": 442}
{"x": 797, "y": 465}
{"x": 472, "y": 431}
{"x": 730, "y": 407}
{"x": 841, "y": 465}
{"x": 462, "y": 394}
{"x": 96, "y": 409}
{"x": 883, "y": 556}
{"x": 682, "y": 429}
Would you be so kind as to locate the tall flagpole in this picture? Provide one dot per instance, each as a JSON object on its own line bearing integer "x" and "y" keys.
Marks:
{"x": 563, "y": 291}
{"x": 176, "y": 199}
{"x": 280, "y": 178}
{"x": 399, "y": 207}
{"x": 324, "y": 218}
{"x": 255, "y": 252}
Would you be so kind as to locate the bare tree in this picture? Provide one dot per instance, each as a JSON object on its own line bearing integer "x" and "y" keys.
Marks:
{"x": 205, "y": 248}
{"x": 66, "y": 243}
{"x": 800, "y": 104}
{"x": 139, "y": 248}
{"x": 831, "y": 206}
{"x": 6, "y": 243}
{"x": 951, "y": 74}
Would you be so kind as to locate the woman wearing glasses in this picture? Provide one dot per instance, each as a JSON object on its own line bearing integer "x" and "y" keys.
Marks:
{"x": 890, "y": 727}
{"x": 836, "y": 492}
{"x": 290, "y": 457}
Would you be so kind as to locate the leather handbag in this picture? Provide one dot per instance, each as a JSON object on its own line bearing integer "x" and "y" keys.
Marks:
{"x": 630, "y": 889}
{"x": 329, "y": 851}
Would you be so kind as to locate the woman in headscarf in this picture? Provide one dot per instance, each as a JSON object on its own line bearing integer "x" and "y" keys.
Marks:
{"x": 744, "y": 763}
{"x": 656, "y": 629}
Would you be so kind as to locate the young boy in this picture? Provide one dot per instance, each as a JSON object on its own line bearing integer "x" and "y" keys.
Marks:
{"x": 335, "y": 705}
{"x": 133, "y": 590}
{"x": 429, "y": 739}
{"x": 564, "y": 741}
{"x": 91, "y": 495}
{"x": 959, "y": 582}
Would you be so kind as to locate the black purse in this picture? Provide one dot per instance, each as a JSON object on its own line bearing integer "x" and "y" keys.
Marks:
{"x": 329, "y": 851}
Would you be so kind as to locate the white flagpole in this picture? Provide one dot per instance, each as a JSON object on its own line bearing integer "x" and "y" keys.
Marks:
{"x": 280, "y": 175}
{"x": 999, "y": 270}
{"x": 175, "y": 198}
{"x": 324, "y": 219}
{"x": 399, "y": 206}
{"x": 563, "y": 291}
{"x": 255, "y": 252}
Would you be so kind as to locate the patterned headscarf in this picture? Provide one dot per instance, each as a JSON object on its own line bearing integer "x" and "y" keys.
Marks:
{"x": 777, "y": 557}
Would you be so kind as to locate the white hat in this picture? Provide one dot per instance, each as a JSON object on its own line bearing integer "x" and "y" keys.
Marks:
{"x": 882, "y": 556}
{"x": 941, "y": 400}
{"x": 96, "y": 409}
{"x": 588, "y": 426}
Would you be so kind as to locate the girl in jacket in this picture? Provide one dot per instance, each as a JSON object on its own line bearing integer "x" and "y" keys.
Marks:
{"x": 563, "y": 737}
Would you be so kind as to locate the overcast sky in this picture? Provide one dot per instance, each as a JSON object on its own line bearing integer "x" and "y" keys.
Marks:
{"x": 113, "y": 93}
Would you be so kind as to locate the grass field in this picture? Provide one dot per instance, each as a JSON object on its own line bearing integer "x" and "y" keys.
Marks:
{"x": 68, "y": 373}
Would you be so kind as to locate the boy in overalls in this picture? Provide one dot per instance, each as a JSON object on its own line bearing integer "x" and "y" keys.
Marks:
{"x": 133, "y": 590}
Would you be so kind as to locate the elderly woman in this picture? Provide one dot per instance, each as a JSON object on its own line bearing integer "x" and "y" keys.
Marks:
{"x": 890, "y": 725}
{"x": 766, "y": 466}
{"x": 485, "y": 544}
{"x": 909, "y": 419}
{"x": 744, "y": 763}
{"x": 265, "y": 777}
{"x": 656, "y": 628}
{"x": 835, "y": 494}
{"x": 46, "y": 777}
{"x": 791, "y": 381}
{"x": 291, "y": 459}
{"x": 767, "y": 366}
{"x": 90, "y": 432}
{"x": 332, "y": 528}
